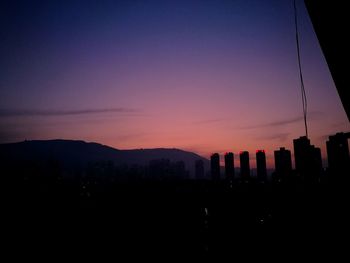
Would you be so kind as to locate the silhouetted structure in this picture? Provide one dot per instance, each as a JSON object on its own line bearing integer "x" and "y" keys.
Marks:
{"x": 199, "y": 169}
{"x": 158, "y": 169}
{"x": 179, "y": 170}
{"x": 215, "y": 166}
{"x": 283, "y": 163}
{"x": 229, "y": 166}
{"x": 330, "y": 20}
{"x": 338, "y": 156}
{"x": 164, "y": 169}
{"x": 308, "y": 161}
{"x": 261, "y": 165}
{"x": 244, "y": 162}
{"x": 158, "y": 200}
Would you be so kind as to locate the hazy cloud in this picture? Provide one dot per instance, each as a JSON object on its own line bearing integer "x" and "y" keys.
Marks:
{"x": 208, "y": 121}
{"x": 38, "y": 112}
{"x": 282, "y": 137}
{"x": 274, "y": 123}
{"x": 311, "y": 115}
{"x": 131, "y": 136}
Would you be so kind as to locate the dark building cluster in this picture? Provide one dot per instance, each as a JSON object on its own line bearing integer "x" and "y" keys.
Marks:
{"x": 244, "y": 165}
{"x": 179, "y": 215}
{"x": 308, "y": 162}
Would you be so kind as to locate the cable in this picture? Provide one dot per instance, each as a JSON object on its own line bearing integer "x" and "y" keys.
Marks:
{"x": 302, "y": 87}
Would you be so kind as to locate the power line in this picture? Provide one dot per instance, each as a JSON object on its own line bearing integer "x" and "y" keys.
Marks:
{"x": 302, "y": 87}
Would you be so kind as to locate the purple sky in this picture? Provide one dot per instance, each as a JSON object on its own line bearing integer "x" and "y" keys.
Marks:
{"x": 204, "y": 76}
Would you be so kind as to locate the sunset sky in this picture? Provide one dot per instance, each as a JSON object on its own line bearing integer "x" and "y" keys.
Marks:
{"x": 204, "y": 76}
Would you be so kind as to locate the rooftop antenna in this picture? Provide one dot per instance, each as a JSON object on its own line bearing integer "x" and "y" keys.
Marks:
{"x": 302, "y": 88}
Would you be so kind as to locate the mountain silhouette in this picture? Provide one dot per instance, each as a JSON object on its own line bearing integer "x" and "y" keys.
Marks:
{"x": 76, "y": 153}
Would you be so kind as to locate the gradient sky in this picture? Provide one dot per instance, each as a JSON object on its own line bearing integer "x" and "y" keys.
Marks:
{"x": 204, "y": 76}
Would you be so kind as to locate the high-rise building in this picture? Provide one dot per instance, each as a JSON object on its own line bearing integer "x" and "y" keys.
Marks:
{"x": 338, "y": 155}
{"x": 244, "y": 162}
{"x": 215, "y": 166}
{"x": 301, "y": 153}
{"x": 229, "y": 166}
{"x": 261, "y": 165}
{"x": 283, "y": 163}
{"x": 317, "y": 159}
{"x": 199, "y": 169}
{"x": 308, "y": 160}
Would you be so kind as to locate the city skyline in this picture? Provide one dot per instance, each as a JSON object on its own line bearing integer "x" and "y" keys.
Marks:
{"x": 197, "y": 76}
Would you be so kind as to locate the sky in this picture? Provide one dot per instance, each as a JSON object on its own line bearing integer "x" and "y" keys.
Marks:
{"x": 203, "y": 76}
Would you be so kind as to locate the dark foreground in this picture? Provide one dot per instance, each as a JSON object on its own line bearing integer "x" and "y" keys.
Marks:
{"x": 177, "y": 218}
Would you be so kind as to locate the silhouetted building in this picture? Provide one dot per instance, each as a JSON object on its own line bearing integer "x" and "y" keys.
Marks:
{"x": 215, "y": 166}
{"x": 283, "y": 163}
{"x": 301, "y": 153}
{"x": 199, "y": 169}
{"x": 338, "y": 155}
{"x": 164, "y": 169}
{"x": 244, "y": 162}
{"x": 179, "y": 170}
{"x": 261, "y": 165}
{"x": 229, "y": 166}
{"x": 317, "y": 159}
{"x": 308, "y": 161}
{"x": 159, "y": 168}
